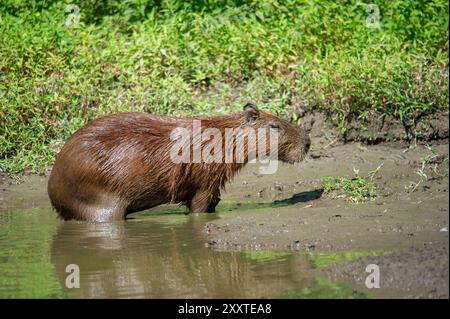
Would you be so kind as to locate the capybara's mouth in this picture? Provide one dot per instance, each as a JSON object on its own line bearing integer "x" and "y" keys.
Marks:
{"x": 302, "y": 156}
{"x": 297, "y": 159}
{"x": 294, "y": 157}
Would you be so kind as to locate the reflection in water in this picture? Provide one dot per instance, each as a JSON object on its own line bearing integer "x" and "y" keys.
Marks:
{"x": 155, "y": 255}
{"x": 25, "y": 242}
{"x": 165, "y": 256}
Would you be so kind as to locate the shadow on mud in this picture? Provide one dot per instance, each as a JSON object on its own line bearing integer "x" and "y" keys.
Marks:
{"x": 231, "y": 206}
{"x": 301, "y": 197}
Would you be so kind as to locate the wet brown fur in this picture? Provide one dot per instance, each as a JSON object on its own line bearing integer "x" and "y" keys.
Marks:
{"x": 120, "y": 164}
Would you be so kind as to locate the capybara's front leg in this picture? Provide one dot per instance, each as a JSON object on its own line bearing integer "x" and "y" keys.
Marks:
{"x": 213, "y": 203}
{"x": 203, "y": 202}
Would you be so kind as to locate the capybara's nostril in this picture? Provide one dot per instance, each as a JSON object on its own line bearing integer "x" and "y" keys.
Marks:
{"x": 307, "y": 145}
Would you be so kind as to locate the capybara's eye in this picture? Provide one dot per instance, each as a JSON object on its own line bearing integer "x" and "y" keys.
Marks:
{"x": 274, "y": 125}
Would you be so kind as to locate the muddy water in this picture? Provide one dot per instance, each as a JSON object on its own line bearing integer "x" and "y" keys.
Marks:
{"x": 156, "y": 254}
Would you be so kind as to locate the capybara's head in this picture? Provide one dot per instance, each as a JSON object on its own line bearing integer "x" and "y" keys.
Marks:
{"x": 293, "y": 141}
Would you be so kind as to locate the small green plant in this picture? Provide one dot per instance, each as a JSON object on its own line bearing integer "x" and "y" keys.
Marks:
{"x": 428, "y": 166}
{"x": 356, "y": 189}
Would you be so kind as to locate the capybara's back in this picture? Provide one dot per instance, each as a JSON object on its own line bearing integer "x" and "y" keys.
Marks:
{"x": 121, "y": 163}
{"x": 112, "y": 166}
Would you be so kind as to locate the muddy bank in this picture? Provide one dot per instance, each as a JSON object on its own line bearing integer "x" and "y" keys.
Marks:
{"x": 289, "y": 211}
{"x": 22, "y": 192}
{"x": 376, "y": 128}
{"x": 331, "y": 229}
{"x": 413, "y": 273}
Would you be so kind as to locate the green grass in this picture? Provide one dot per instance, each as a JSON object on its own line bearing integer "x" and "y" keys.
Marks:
{"x": 210, "y": 57}
{"x": 322, "y": 260}
{"x": 356, "y": 189}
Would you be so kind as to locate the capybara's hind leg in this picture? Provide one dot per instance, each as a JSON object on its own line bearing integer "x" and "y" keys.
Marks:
{"x": 101, "y": 213}
{"x": 103, "y": 208}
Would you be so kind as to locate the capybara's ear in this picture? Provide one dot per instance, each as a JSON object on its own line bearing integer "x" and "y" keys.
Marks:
{"x": 251, "y": 112}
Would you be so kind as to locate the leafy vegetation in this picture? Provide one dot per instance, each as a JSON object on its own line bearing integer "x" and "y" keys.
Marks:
{"x": 208, "y": 57}
{"x": 356, "y": 189}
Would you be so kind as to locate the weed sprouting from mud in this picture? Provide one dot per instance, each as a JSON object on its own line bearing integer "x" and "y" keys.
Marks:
{"x": 432, "y": 166}
{"x": 357, "y": 189}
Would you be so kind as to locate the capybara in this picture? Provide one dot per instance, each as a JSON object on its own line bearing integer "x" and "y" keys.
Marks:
{"x": 123, "y": 163}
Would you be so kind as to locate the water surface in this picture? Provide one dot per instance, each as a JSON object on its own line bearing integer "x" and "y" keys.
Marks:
{"x": 158, "y": 254}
